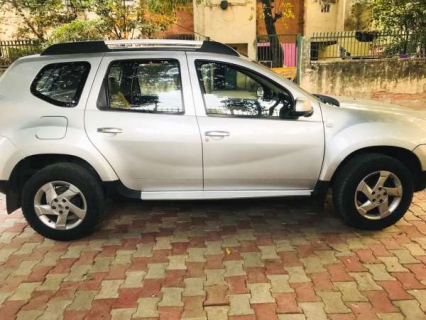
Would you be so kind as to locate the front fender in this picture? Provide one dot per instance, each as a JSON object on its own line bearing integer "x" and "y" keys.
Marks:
{"x": 347, "y": 131}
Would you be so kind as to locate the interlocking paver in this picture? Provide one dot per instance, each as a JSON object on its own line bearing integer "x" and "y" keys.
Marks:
{"x": 252, "y": 259}
{"x": 350, "y": 292}
{"x": 379, "y": 272}
{"x": 25, "y": 268}
{"x": 420, "y": 295}
{"x": 177, "y": 262}
{"x": 196, "y": 255}
{"x": 122, "y": 314}
{"x": 147, "y": 308}
{"x": 133, "y": 279}
{"x": 29, "y": 315}
{"x": 215, "y": 277}
{"x": 260, "y": 293}
{"x": 234, "y": 268}
{"x": 156, "y": 271}
{"x": 415, "y": 249}
{"x": 172, "y": 297}
{"x": 380, "y": 301}
{"x": 24, "y": 291}
{"x": 240, "y": 305}
{"x": 392, "y": 264}
{"x": 280, "y": 283}
{"x": 333, "y": 302}
{"x": 220, "y": 260}
{"x": 268, "y": 253}
{"x": 54, "y": 309}
{"x": 314, "y": 310}
{"x": 217, "y": 313}
{"x": 404, "y": 256}
{"x": 411, "y": 309}
{"x": 194, "y": 287}
{"x": 83, "y": 300}
{"x": 297, "y": 275}
{"x": 365, "y": 281}
{"x": 312, "y": 265}
{"x": 109, "y": 289}
{"x": 326, "y": 257}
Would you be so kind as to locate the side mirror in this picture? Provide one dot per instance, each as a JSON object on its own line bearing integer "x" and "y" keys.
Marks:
{"x": 303, "y": 108}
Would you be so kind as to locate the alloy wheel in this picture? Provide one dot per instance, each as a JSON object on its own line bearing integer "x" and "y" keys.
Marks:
{"x": 60, "y": 205}
{"x": 378, "y": 195}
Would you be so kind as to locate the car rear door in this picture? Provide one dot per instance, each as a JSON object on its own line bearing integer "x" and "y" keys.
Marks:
{"x": 248, "y": 141}
{"x": 140, "y": 116}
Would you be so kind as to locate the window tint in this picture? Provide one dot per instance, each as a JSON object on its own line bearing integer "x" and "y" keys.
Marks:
{"x": 149, "y": 86}
{"x": 61, "y": 83}
{"x": 232, "y": 91}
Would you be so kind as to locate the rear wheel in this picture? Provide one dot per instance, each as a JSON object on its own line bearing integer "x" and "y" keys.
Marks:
{"x": 373, "y": 191}
{"x": 63, "y": 201}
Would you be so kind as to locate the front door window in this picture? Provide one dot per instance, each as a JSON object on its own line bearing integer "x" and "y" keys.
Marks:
{"x": 236, "y": 92}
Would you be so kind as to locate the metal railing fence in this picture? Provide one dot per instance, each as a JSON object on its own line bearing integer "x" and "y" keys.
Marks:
{"x": 367, "y": 45}
{"x": 277, "y": 51}
{"x": 12, "y": 50}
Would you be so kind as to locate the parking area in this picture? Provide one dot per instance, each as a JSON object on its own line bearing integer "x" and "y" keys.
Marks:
{"x": 245, "y": 260}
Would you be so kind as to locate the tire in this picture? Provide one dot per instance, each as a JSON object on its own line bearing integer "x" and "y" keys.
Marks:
{"x": 81, "y": 212}
{"x": 369, "y": 167}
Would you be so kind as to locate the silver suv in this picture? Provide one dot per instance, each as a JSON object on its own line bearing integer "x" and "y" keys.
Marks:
{"x": 177, "y": 120}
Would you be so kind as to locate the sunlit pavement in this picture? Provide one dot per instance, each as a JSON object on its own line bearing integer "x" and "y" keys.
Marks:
{"x": 243, "y": 260}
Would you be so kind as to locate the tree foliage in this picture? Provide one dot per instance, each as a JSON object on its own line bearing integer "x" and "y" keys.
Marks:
{"x": 167, "y": 6}
{"x": 400, "y": 15}
{"x": 40, "y": 16}
{"x": 115, "y": 19}
{"x": 404, "y": 17}
{"x": 78, "y": 30}
{"x": 130, "y": 21}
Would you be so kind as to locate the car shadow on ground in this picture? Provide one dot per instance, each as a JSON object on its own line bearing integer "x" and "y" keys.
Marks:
{"x": 277, "y": 217}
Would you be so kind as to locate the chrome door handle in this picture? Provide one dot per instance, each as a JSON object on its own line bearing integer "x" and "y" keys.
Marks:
{"x": 217, "y": 134}
{"x": 110, "y": 130}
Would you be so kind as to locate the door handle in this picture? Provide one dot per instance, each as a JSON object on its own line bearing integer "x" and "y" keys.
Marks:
{"x": 217, "y": 134}
{"x": 110, "y": 130}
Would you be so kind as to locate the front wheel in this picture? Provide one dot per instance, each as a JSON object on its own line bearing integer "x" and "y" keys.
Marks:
{"x": 63, "y": 201}
{"x": 373, "y": 191}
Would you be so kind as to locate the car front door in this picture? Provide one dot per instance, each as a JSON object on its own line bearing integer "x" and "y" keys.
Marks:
{"x": 140, "y": 116}
{"x": 251, "y": 140}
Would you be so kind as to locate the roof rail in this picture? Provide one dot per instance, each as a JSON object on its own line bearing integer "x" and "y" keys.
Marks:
{"x": 152, "y": 43}
{"x": 121, "y": 45}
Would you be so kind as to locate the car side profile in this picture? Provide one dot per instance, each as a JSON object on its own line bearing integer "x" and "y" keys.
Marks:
{"x": 189, "y": 120}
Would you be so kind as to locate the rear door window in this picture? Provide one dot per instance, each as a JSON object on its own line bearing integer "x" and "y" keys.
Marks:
{"x": 146, "y": 86}
{"x": 61, "y": 84}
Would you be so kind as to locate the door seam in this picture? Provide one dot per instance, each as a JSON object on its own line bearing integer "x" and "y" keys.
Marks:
{"x": 196, "y": 119}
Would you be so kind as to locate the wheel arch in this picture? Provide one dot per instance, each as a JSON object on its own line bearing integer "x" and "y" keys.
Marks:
{"x": 405, "y": 156}
{"x": 28, "y": 166}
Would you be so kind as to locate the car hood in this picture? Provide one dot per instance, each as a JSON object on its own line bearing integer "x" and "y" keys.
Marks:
{"x": 378, "y": 120}
{"x": 364, "y": 104}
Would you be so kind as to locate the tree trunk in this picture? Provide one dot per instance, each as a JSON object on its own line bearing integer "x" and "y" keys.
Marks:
{"x": 277, "y": 53}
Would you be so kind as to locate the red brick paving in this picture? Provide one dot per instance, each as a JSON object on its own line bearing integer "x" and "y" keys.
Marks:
{"x": 190, "y": 260}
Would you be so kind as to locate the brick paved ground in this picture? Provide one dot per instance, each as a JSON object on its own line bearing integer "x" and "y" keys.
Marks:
{"x": 216, "y": 260}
